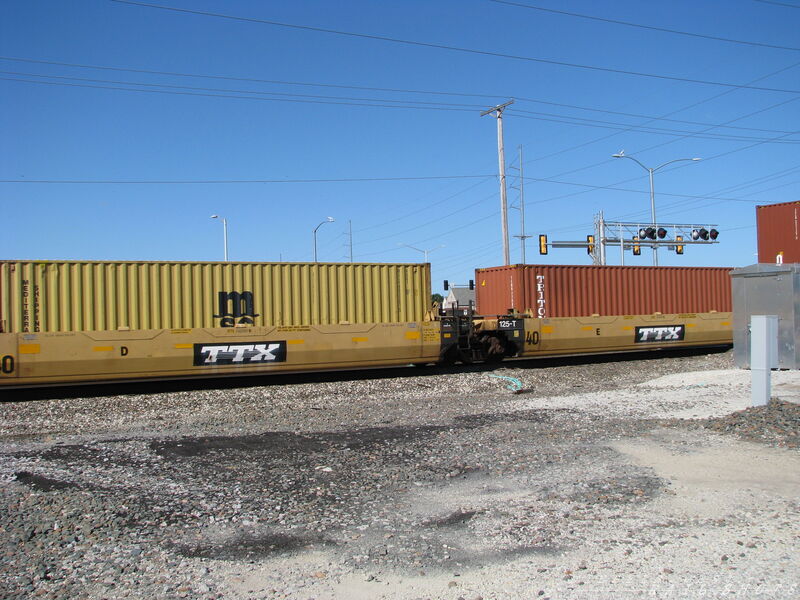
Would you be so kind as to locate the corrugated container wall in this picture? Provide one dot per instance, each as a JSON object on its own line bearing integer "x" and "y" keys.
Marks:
{"x": 92, "y": 296}
{"x": 778, "y": 232}
{"x": 579, "y": 291}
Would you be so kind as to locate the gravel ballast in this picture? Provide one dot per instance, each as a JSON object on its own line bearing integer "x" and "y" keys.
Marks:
{"x": 614, "y": 478}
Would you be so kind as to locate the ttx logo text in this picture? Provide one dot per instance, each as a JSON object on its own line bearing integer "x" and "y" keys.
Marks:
{"x": 239, "y": 354}
{"x": 663, "y": 333}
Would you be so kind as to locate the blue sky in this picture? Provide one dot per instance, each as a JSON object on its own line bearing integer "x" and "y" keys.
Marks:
{"x": 271, "y": 115}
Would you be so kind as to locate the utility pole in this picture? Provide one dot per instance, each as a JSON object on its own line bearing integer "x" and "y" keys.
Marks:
{"x": 498, "y": 110}
{"x": 350, "y": 224}
{"x": 522, "y": 237}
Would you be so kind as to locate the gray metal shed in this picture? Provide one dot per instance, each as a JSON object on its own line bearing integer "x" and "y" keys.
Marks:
{"x": 766, "y": 289}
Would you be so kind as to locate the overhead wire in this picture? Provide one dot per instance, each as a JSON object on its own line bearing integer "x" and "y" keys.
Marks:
{"x": 235, "y": 181}
{"x": 470, "y": 107}
{"x": 563, "y": 196}
{"x": 606, "y": 161}
{"x": 516, "y": 97}
{"x": 641, "y": 129}
{"x": 446, "y": 47}
{"x": 650, "y": 27}
{"x": 672, "y": 112}
{"x": 778, "y": 3}
{"x": 210, "y": 95}
{"x": 362, "y": 102}
{"x": 428, "y": 223}
{"x": 415, "y": 213}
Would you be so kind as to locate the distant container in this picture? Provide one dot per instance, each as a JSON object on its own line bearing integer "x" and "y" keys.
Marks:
{"x": 53, "y": 296}
{"x": 767, "y": 290}
{"x": 582, "y": 291}
{"x": 778, "y": 232}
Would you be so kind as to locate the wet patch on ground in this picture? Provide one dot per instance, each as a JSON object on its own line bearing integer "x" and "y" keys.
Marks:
{"x": 456, "y": 518}
{"x": 365, "y": 438}
{"x": 41, "y": 483}
{"x": 618, "y": 490}
{"x": 254, "y": 546}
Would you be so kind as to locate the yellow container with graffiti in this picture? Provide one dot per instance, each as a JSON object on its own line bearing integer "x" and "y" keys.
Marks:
{"x": 71, "y": 296}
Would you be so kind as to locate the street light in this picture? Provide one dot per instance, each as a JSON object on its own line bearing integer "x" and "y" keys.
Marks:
{"x": 425, "y": 252}
{"x": 621, "y": 154}
{"x": 328, "y": 220}
{"x": 224, "y": 233}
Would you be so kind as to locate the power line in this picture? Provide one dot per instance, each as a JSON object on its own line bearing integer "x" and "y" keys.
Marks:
{"x": 231, "y": 78}
{"x": 568, "y": 120}
{"x": 430, "y": 221}
{"x": 639, "y": 116}
{"x": 210, "y": 95}
{"x": 234, "y": 181}
{"x": 758, "y": 180}
{"x": 450, "y": 48}
{"x": 673, "y": 112}
{"x": 469, "y": 107}
{"x": 356, "y": 180}
{"x": 778, "y": 3}
{"x": 365, "y": 102}
{"x": 415, "y": 213}
{"x": 672, "y": 141}
{"x": 653, "y": 28}
{"x": 350, "y": 87}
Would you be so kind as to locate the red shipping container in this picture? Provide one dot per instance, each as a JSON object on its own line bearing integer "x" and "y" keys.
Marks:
{"x": 582, "y": 291}
{"x": 778, "y": 232}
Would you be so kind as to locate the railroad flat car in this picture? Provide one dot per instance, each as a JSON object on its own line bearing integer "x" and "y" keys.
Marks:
{"x": 72, "y": 322}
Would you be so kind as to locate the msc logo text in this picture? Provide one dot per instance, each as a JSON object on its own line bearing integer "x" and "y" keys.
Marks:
{"x": 235, "y": 308}
{"x": 664, "y": 333}
{"x": 257, "y": 353}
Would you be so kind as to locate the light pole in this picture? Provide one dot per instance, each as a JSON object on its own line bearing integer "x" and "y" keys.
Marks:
{"x": 328, "y": 220}
{"x": 224, "y": 233}
{"x": 621, "y": 154}
{"x": 425, "y": 252}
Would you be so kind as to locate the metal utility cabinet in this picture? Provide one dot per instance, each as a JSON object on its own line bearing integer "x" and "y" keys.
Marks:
{"x": 766, "y": 289}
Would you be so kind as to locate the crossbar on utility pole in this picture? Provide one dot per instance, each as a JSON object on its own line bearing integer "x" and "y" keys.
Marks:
{"x": 498, "y": 110}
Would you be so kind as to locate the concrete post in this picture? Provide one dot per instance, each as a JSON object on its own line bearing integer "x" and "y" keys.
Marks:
{"x": 763, "y": 356}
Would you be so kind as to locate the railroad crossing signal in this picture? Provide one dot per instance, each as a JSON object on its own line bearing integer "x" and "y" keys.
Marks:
{"x": 632, "y": 236}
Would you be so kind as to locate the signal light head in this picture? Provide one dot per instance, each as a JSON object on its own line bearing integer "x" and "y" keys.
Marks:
{"x": 661, "y": 233}
{"x": 703, "y": 234}
{"x": 642, "y": 233}
{"x": 542, "y": 244}
{"x": 713, "y": 234}
{"x": 650, "y": 233}
{"x": 695, "y": 234}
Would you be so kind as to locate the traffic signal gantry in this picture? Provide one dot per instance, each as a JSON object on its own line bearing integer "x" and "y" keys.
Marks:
{"x": 632, "y": 236}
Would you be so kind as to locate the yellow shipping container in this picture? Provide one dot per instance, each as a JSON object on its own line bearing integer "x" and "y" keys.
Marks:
{"x": 53, "y": 296}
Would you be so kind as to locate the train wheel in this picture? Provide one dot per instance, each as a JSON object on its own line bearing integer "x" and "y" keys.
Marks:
{"x": 495, "y": 350}
{"x": 449, "y": 357}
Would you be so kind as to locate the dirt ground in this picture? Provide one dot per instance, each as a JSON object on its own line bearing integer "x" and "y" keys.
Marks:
{"x": 602, "y": 479}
